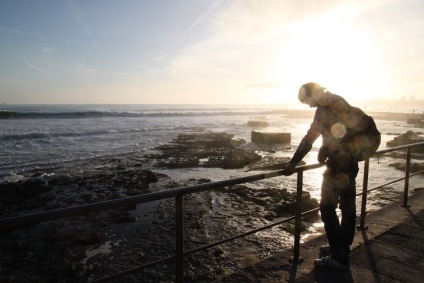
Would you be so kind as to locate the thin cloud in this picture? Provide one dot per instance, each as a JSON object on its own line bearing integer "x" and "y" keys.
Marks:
{"x": 163, "y": 55}
{"x": 199, "y": 19}
{"x": 145, "y": 54}
{"x": 194, "y": 24}
{"x": 4, "y": 80}
{"x": 48, "y": 49}
{"x": 36, "y": 68}
{"x": 84, "y": 70}
{"x": 37, "y": 36}
{"x": 76, "y": 11}
{"x": 19, "y": 32}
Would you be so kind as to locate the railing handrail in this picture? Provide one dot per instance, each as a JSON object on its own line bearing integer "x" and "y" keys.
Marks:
{"x": 178, "y": 193}
{"x": 396, "y": 148}
{"x": 23, "y": 220}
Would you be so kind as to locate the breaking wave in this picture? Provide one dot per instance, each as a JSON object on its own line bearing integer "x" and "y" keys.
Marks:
{"x": 102, "y": 114}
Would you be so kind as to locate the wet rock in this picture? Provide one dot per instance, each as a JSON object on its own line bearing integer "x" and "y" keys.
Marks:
{"x": 288, "y": 206}
{"x": 262, "y": 137}
{"x": 206, "y": 140}
{"x": 23, "y": 189}
{"x": 230, "y": 158}
{"x": 22, "y": 195}
{"x": 40, "y": 253}
{"x": 278, "y": 202}
{"x": 271, "y": 163}
{"x": 418, "y": 122}
{"x": 60, "y": 191}
{"x": 385, "y": 196}
{"x": 414, "y": 167}
{"x": 237, "y": 142}
{"x": 205, "y": 150}
{"x": 408, "y": 138}
{"x": 81, "y": 234}
{"x": 121, "y": 215}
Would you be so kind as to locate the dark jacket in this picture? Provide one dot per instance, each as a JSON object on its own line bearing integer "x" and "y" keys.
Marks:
{"x": 338, "y": 123}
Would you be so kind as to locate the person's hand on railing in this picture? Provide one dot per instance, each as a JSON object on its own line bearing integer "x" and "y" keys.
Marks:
{"x": 289, "y": 169}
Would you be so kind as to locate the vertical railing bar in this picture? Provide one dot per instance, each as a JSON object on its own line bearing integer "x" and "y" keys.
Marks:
{"x": 407, "y": 171}
{"x": 296, "y": 258}
{"x": 179, "y": 253}
{"x": 364, "y": 194}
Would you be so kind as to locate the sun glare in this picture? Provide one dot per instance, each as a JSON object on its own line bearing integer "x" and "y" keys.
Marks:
{"x": 333, "y": 51}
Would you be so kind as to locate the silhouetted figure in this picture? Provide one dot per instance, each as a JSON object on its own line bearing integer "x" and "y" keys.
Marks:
{"x": 348, "y": 136}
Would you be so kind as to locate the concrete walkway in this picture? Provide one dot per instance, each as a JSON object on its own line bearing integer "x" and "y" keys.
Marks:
{"x": 391, "y": 249}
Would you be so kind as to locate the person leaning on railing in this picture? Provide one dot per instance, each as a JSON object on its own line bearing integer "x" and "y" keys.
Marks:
{"x": 344, "y": 142}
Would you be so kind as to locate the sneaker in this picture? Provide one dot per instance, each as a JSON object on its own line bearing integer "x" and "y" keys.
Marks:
{"x": 330, "y": 263}
{"x": 325, "y": 249}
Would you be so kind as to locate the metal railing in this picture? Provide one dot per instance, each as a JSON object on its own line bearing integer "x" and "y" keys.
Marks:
{"x": 180, "y": 253}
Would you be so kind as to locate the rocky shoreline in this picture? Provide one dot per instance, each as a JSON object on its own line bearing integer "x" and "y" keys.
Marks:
{"x": 80, "y": 249}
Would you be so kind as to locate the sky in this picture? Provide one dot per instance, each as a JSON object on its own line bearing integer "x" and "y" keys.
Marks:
{"x": 208, "y": 51}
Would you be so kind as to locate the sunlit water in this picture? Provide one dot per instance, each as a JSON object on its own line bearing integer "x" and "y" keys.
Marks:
{"x": 42, "y": 137}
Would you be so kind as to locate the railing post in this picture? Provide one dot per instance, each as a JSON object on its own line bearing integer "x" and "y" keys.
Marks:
{"x": 407, "y": 171}
{"x": 179, "y": 222}
{"x": 364, "y": 194}
{"x": 296, "y": 258}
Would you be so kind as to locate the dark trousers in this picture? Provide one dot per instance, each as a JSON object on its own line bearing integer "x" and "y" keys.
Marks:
{"x": 339, "y": 189}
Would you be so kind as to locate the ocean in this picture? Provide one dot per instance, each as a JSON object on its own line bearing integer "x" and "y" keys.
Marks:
{"x": 41, "y": 137}
{"x": 80, "y": 148}
{"x": 34, "y": 137}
